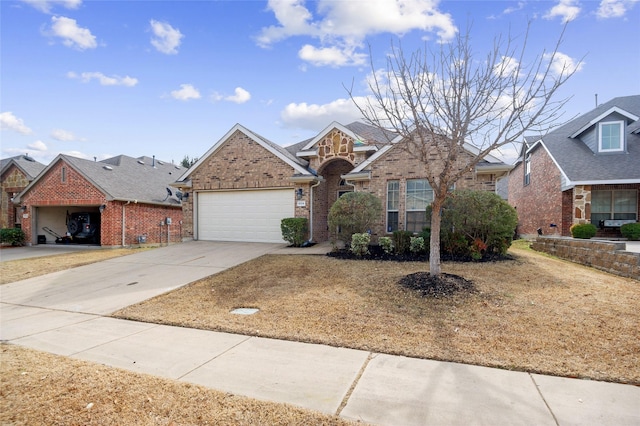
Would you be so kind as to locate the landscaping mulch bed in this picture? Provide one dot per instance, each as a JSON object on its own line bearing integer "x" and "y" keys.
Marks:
{"x": 437, "y": 286}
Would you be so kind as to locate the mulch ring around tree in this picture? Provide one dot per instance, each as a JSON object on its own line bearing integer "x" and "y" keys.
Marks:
{"x": 437, "y": 286}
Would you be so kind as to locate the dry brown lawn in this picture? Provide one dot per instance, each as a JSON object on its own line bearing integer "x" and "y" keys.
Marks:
{"x": 535, "y": 313}
{"x": 37, "y": 388}
{"x": 16, "y": 270}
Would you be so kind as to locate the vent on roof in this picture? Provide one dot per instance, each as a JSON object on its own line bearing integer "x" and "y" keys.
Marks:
{"x": 140, "y": 162}
{"x": 177, "y": 167}
{"x": 107, "y": 167}
{"x": 161, "y": 163}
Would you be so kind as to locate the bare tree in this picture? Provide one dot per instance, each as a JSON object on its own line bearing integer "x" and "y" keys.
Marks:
{"x": 446, "y": 101}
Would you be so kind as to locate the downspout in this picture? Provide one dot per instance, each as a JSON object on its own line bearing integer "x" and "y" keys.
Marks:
{"x": 311, "y": 210}
{"x": 123, "y": 224}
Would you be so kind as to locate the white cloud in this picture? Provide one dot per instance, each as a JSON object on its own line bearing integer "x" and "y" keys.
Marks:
{"x": 568, "y": 10}
{"x": 614, "y": 8}
{"x": 186, "y": 92}
{"x": 8, "y": 121}
{"x": 241, "y": 96}
{"x": 71, "y": 34}
{"x": 104, "y": 80}
{"x": 62, "y": 135}
{"x": 167, "y": 39}
{"x": 331, "y": 56}
{"x": 342, "y": 26}
{"x": 46, "y": 5}
{"x": 37, "y": 146}
{"x": 563, "y": 63}
{"x": 506, "y": 67}
{"x": 315, "y": 117}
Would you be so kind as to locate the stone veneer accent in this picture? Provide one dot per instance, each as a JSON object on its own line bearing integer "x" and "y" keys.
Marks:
{"x": 582, "y": 204}
{"x": 606, "y": 256}
{"x": 13, "y": 182}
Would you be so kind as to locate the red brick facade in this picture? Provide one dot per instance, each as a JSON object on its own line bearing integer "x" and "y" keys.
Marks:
{"x": 539, "y": 203}
{"x": 63, "y": 186}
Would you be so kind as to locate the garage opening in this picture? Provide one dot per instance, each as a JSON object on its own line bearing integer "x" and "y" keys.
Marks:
{"x": 68, "y": 225}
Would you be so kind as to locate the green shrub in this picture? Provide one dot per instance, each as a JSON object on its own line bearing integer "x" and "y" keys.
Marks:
{"x": 13, "y": 236}
{"x": 475, "y": 223}
{"x": 294, "y": 230}
{"x": 402, "y": 241}
{"x": 583, "y": 230}
{"x": 416, "y": 245}
{"x": 360, "y": 243}
{"x": 631, "y": 231}
{"x": 387, "y": 244}
{"x": 353, "y": 213}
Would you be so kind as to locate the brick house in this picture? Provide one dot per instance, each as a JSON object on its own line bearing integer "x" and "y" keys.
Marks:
{"x": 128, "y": 197}
{"x": 586, "y": 171}
{"x": 245, "y": 185}
{"x": 15, "y": 174}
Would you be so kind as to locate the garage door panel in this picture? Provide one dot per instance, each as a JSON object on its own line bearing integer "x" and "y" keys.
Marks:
{"x": 244, "y": 215}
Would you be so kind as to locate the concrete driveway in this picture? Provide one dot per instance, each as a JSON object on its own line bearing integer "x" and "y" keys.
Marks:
{"x": 105, "y": 287}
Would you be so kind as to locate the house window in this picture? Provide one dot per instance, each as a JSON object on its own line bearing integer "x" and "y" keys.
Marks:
{"x": 527, "y": 170}
{"x": 393, "y": 203}
{"x": 610, "y": 136}
{"x": 419, "y": 196}
{"x": 614, "y": 204}
{"x": 63, "y": 174}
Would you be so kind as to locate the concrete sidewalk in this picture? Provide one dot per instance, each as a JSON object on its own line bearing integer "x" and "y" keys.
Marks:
{"x": 63, "y": 313}
{"x": 374, "y": 388}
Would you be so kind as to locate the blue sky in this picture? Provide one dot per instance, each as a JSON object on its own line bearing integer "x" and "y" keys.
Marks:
{"x": 170, "y": 78}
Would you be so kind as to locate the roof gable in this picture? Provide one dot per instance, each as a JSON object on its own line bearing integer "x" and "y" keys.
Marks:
{"x": 577, "y": 161}
{"x": 27, "y": 165}
{"x": 122, "y": 178}
{"x": 361, "y": 133}
{"x": 283, "y": 154}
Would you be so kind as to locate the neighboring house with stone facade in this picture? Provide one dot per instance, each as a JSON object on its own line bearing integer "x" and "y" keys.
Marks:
{"x": 586, "y": 171}
{"x": 15, "y": 174}
{"x": 243, "y": 187}
{"x": 127, "y": 196}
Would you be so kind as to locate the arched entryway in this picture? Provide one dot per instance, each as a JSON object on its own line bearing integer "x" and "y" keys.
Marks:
{"x": 327, "y": 193}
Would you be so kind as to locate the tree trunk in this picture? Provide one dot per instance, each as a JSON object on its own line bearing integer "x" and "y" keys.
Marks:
{"x": 434, "y": 240}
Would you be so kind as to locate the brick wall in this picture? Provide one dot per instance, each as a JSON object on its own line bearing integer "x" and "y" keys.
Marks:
{"x": 141, "y": 219}
{"x": 240, "y": 163}
{"x": 606, "y": 256}
{"x": 74, "y": 190}
{"x": 538, "y": 204}
{"x": 399, "y": 165}
{"x": 13, "y": 181}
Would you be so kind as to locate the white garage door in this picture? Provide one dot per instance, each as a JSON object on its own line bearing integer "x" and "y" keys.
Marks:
{"x": 244, "y": 215}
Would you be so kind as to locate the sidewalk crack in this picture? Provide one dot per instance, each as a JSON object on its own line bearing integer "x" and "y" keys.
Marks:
{"x": 544, "y": 400}
{"x": 347, "y": 396}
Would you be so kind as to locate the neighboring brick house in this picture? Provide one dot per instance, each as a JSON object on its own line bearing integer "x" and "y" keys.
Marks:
{"x": 15, "y": 175}
{"x": 128, "y": 196}
{"x": 586, "y": 171}
{"x": 245, "y": 185}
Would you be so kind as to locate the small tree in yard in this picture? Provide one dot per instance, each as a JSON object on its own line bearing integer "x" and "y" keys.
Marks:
{"x": 442, "y": 103}
{"x": 354, "y": 213}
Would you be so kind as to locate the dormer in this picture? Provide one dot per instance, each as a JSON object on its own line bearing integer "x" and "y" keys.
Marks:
{"x": 606, "y": 133}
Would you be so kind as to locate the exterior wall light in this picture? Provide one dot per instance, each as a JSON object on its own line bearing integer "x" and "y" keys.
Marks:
{"x": 102, "y": 207}
{"x": 299, "y": 193}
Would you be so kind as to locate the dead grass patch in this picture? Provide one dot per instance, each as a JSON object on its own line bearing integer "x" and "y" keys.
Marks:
{"x": 534, "y": 313}
{"x": 44, "y": 389}
{"x": 21, "y": 269}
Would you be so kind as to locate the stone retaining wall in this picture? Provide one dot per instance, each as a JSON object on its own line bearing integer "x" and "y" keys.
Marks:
{"x": 607, "y": 256}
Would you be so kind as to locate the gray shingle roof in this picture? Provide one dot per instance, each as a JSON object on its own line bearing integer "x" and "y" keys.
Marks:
{"x": 580, "y": 163}
{"x": 30, "y": 167}
{"x": 127, "y": 179}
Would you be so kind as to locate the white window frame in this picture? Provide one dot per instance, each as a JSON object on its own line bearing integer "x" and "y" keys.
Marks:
{"x": 421, "y": 209}
{"x": 620, "y": 124}
{"x": 397, "y": 207}
{"x": 527, "y": 170}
